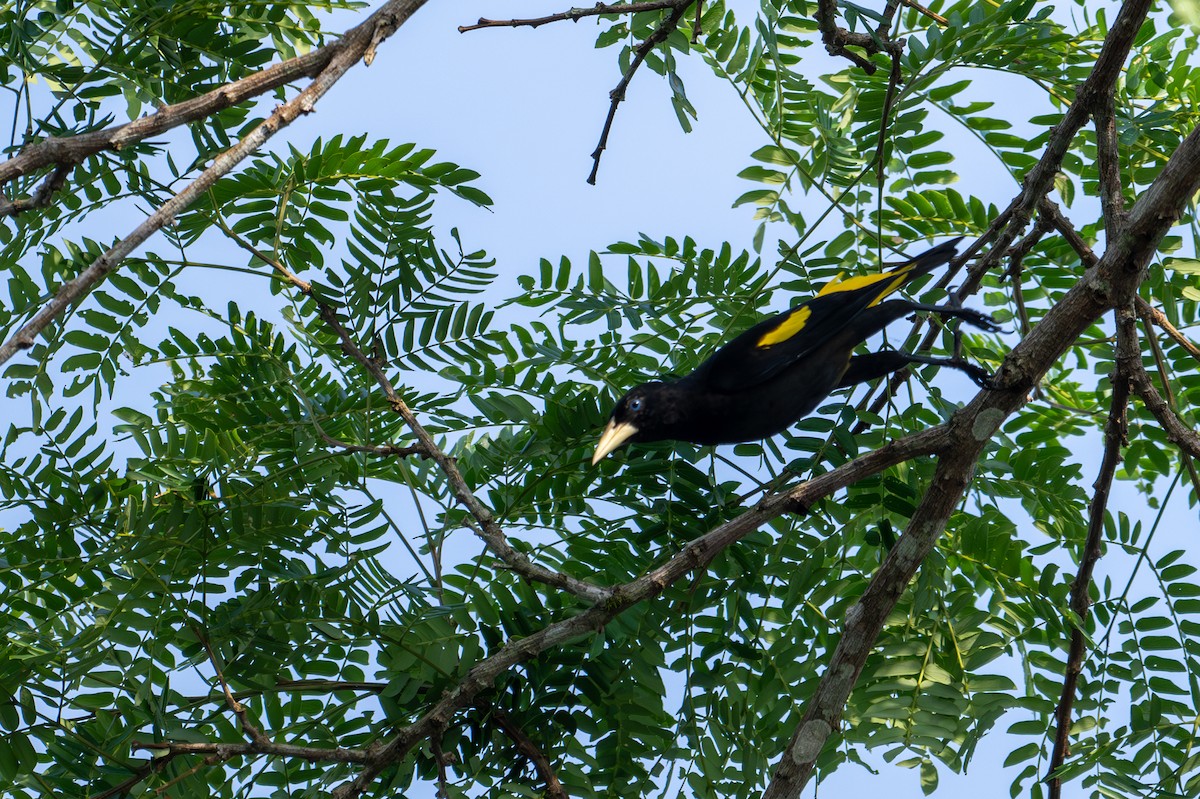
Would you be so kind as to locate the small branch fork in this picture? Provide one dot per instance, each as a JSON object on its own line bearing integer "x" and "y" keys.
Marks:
{"x": 677, "y": 9}
{"x": 1128, "y": 359}
{"x": 837, "y": 39}
{"x": 1002, "y": 233}
{"x": 617, "y": 95}
{"x": 1110, "y": 283}
{"x": 358, "y": 43}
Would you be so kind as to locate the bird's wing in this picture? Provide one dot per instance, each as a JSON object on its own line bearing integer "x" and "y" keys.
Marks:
{"x": 776, "y": 343}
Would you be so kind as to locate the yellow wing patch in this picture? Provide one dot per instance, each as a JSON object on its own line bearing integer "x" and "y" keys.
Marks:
{"x": 840, "y": 284}
{"x": 789, "y": 327}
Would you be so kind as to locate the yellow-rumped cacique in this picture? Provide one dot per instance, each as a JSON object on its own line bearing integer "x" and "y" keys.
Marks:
{"x": 772, "y": 375}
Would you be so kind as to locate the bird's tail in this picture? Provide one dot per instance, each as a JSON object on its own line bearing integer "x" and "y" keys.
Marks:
{"x": 882, "y": 284}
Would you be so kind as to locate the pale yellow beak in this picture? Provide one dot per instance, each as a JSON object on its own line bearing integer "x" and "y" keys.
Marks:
{"x": 614, "y": 435}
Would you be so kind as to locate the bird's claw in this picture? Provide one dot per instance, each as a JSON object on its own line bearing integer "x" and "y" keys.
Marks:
{"x": 979, "y": 376}
{"x": 980, "y": 319}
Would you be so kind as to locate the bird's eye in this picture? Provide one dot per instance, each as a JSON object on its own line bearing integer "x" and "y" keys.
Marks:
{"x": 635, "y": 404}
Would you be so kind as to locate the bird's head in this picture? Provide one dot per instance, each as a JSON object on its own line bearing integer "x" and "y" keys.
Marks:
{"x": 644, "y": 414}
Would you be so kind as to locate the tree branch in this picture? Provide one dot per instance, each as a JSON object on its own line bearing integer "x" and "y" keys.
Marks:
{"x": 694, "y": 556}
{"x": 124, "y": 787}
{"x": 1177, "y": 432}
{"x": 574, "y": 15}
{"x": 71, "y": 150}
{"x": 1088, "y": 258}
{"x": 357, "y": 43}
{"x": 1108, "y": 161}
{"x": 1111, "y": 283}
{"x": 489, "y": 529}
{"x": 41, "y": 198}
{"x": 920, "y": 9}
{"x": 530, "y": 750}
{"x": 1115, "y": 436}
{"x": 255, "y": 735}
{"x": 837, "y": 39}
{"x": 1038, "y": 182}
{"x": 226, "y": 751}
{"x": 617, "y": 95}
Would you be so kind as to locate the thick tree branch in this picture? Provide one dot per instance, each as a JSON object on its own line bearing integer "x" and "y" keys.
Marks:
{"x": 617, "y": 95}
{"x": 573, "y": 14}
{"x": 70, "y": 150}
{"x": 226, "y": 751}
{"x": 1111, "y": 283}
{"x": 1038, "y": 182}
{"x": 1108, "y": 162}
{"x": 694, "y": 556}
{"x": 358, "y": 43}
{"x": 1115, "y": 436}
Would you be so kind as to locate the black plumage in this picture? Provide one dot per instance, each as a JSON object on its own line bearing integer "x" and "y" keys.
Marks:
{"x": 775, "y": 373}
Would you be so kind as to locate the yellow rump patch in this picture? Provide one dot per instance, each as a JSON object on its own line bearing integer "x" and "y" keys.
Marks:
{"x": 789, "y": 327}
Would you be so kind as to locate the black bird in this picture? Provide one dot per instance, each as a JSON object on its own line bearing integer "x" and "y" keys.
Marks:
{"x": 776, "y": 372}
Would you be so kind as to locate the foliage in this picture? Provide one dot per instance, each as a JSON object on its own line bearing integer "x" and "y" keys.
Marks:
{"x": 225, "y": 524}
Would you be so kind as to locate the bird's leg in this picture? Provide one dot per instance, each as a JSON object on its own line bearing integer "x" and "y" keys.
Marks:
{"x": 969, "y": 315}
{"x": 872, "y": 365}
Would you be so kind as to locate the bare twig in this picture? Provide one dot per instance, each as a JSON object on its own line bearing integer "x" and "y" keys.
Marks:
{"x": 256, "y": 735}
{"x": 354, "y": 45}
{"x": 387, "y": 450}
{"x": 1164, "y": 374}
{"x": 526, "y": 746}
{"x": 1089, "y": 258}
{"x": 435, "y": 744}
{"x": 1160, "y": 319}
{"x": 486, "y": 528}
{"x": 489, "y": 529}
{"x": 1115, "y": 436}
{"x": 617, "y": 95}
{"x": 1016, "y": 257}
{"x": 889, "y": 100}
{"x": 574, "y": 15}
